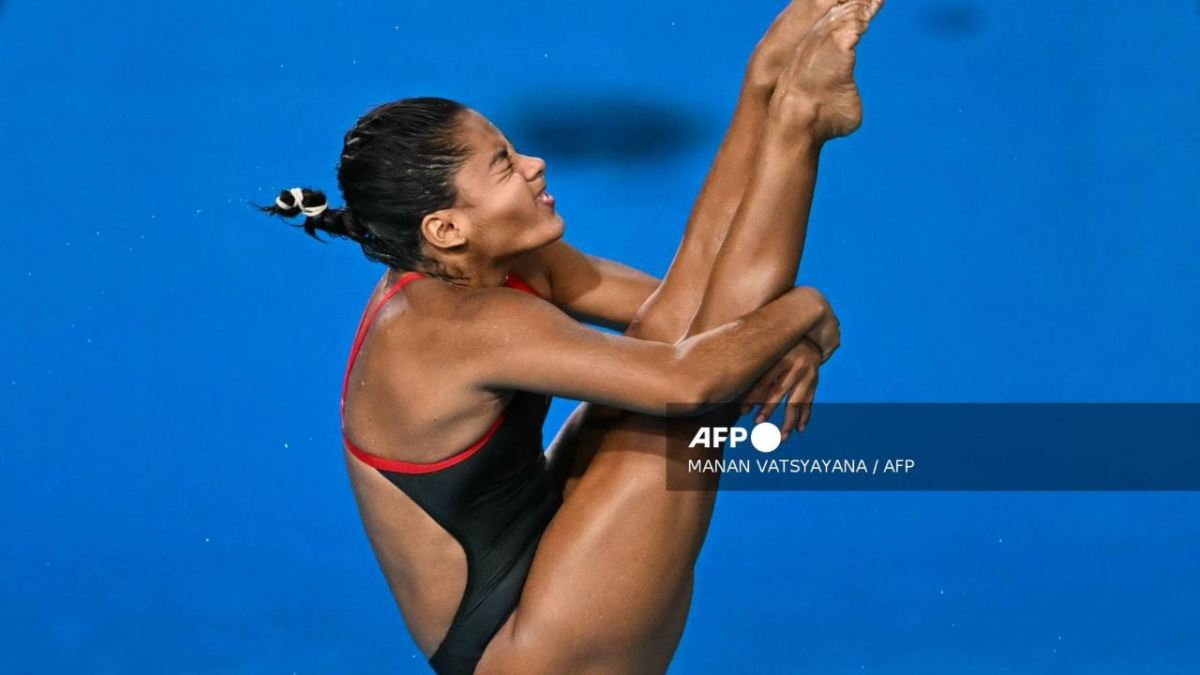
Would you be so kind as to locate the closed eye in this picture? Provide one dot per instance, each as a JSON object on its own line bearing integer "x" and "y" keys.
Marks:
{"x": 502, "y": 154}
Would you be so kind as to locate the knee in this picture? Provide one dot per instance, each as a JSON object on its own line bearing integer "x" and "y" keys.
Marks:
{"x": 658, "y": 327}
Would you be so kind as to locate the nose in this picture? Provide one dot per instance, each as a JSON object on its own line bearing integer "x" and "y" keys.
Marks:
{"x": 536, "y": 166}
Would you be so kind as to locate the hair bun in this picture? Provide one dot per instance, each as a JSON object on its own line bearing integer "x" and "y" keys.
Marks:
{"x": 309, "y": 202}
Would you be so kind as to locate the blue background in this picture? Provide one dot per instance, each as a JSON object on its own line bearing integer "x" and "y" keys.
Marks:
{"x": 1015, "y": 221}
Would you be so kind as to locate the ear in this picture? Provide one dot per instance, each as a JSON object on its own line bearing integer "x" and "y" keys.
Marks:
{"x": 445, "y": 229}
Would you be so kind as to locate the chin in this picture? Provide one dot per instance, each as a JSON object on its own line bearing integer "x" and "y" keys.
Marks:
{"x": 552, "y": 231}
{"x": 547, "y": 233}
{"x": 559, "y": 229}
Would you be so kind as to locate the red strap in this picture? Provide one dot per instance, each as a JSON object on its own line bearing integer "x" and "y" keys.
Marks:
{"x": 365, "y": 322}
{"x": 512, "y": 281}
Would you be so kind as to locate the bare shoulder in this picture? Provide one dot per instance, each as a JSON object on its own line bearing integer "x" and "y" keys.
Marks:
{"x": 457, "y": 315}
{"x": 425, "y": 315}
{"x": 465, "y": 334}
{"x": 490, "y": 308}
{"x": 441, "y": 332}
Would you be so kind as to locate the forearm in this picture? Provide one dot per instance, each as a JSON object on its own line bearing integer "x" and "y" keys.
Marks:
{"x": 614, "y": 298}
{"x": 732, "y": 356}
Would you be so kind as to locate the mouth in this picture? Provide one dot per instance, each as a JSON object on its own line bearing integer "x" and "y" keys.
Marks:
{"x": 545, "y": 198}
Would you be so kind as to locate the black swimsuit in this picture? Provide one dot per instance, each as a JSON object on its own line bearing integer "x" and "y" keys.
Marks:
{"x": 495, "y": 498}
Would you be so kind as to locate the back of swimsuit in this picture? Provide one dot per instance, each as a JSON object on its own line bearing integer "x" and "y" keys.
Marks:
{"x": 495, "y": 498}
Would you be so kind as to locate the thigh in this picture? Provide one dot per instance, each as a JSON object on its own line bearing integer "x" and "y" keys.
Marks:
{"x": 573, "y": 448}
{"x": 611, "y": 581}
{"x": 564, "y": 454}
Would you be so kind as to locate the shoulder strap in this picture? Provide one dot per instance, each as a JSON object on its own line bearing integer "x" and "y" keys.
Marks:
{"x": 515, "y": 282}
{"x": 365, "y": 322}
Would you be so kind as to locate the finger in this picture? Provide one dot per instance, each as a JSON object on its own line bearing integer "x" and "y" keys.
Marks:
{"x": 773, "y": 400}
{"x": 768, "y": 408}
{"x": 756, "y": 394}
{"x": 796, "y": 403}
{"x": 790, "y": 417}
{"x": 807, "y": 402}
{"x": 760, "y": 389}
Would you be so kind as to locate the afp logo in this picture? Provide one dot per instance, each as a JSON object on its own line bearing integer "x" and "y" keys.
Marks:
{"x": 765, "y": 437}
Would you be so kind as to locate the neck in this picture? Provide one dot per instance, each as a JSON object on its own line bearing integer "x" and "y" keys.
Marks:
{"x": 490, "y": 274}
{"x": 471, "y": 273}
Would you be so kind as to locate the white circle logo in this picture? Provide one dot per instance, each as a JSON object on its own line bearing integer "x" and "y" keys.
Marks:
{"x": 765, "y": 437}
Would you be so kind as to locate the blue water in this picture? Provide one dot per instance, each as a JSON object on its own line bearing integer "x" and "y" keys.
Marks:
{"x": 1016, "y": 221}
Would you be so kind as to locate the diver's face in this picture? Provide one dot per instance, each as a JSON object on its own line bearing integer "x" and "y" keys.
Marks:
{"x": 502, "y": 193}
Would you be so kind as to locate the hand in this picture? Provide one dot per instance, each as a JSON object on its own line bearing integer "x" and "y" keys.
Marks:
{"x": 794, "y": 377}
{"x": 816, "y": 90}
{"x": 826, "y": 335}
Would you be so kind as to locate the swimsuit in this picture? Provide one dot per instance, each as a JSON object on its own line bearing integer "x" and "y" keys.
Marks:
{"x": 495, "y": 498}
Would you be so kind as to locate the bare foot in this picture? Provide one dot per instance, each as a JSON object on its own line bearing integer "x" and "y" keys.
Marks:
{"x": 817, "y": 87}
{"x": 775, "y": 48}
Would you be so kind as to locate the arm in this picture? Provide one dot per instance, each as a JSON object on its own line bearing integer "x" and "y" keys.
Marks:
{"x": 509, "y": 340}
{"x": 594, "y": 289}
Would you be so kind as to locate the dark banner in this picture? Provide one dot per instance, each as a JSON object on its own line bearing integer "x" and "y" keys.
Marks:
{"x": 944, "y": 446}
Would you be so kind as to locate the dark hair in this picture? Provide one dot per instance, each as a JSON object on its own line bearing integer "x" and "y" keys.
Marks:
{"x": 398, "y": 164}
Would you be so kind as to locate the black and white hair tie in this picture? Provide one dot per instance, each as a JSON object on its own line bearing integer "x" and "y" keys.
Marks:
{"x": 298, "y": 196}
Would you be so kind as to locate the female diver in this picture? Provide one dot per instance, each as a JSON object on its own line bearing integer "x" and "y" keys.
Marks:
{"x": 503, "y": 559}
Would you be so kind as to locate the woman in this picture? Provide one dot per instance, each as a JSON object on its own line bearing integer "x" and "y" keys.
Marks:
{"x": 499, "y": 561}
